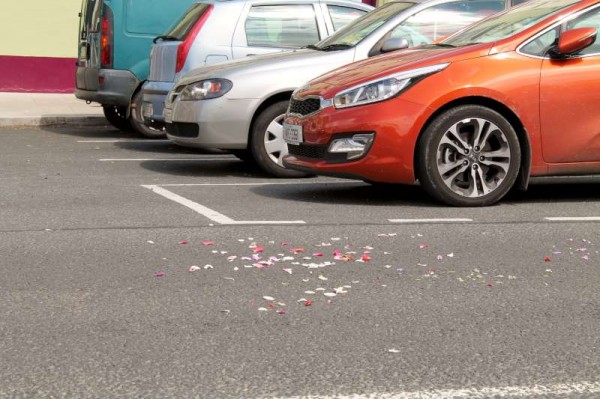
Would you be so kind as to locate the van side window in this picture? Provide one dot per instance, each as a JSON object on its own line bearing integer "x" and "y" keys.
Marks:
{"x": 282, "y": 26}
{"x": 341, "y": 16}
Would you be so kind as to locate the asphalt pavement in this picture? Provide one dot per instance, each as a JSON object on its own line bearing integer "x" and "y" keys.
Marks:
{"x": 134, "y": 268}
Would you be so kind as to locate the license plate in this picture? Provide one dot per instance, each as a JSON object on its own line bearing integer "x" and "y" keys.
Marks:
{"x": 292, "y": 134}
{"x": 147, "y": 110}
{"x": 168, "y": 114}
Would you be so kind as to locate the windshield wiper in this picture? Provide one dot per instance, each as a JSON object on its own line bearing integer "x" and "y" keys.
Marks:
{"x": 313, "y": 47}
{"x": 165, "y": 38}
{"x": 336, "y": 46}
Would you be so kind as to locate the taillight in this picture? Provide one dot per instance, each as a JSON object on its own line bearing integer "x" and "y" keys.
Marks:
{"x": 106, "y": 39}
{"x": 184, "y": 48}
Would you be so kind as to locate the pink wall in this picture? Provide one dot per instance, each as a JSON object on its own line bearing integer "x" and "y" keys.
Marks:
{"x": 37, "y": 74}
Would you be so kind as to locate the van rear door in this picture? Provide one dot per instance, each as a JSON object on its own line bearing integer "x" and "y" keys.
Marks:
{"x": 88, "y": 61}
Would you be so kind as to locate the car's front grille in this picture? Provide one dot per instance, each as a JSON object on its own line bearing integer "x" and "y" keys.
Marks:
{"x": 308, "y": 151}
{"x": 180, "y": 129}
{"x": 304, "y": 107}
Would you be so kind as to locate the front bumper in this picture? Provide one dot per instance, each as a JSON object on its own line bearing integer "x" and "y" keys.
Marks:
{"x": 216, "y": 123}
{"x": 154, "y": 95}
{"x": 396, "y": 124}
{"x": 116, "y": 88}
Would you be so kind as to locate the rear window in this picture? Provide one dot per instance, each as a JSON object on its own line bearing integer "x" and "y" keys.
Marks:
{"x": 90, "y": 17}
{"x": 182, "y": 27}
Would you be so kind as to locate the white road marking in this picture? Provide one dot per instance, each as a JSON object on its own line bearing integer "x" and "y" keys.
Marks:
{"x": 212, "y": 158}
{"x": 574, "y": 219}
{"x": 212, "y": 214}
{"x": 420, "y": 221}
{"x": 270, "y": 183}
{"x": 555, "y": 390}
{"x": 125, "y": 141}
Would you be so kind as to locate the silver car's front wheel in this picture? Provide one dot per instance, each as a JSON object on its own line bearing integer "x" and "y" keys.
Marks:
{"x": 469, "y": 156}
{"x": 266, "y": 141}
{"x": 275, "y": 147}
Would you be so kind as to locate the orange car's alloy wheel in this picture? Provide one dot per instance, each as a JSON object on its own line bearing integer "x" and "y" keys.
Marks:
{"x": 469, "y": 156}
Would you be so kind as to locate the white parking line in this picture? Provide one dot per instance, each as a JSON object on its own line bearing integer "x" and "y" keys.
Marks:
{"x": 211, "y": 158}
{"x": 556, "y": 390}
{"x": 574, "y": 219}
{"x": 211, "y": 214}
{"x": 125, "y": 141}
{"x": 421, "y": 221}
{"x": 269, "y": 183}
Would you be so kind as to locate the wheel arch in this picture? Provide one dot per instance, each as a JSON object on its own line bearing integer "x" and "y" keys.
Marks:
{"x": 525, "y": 167}
{"x": 272, "y": 99}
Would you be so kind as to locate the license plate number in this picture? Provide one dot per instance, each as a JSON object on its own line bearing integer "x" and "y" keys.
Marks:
{"x": 168, "y": 114}
{"x": 292, "y": 134}
{"x": 147, "y": 110}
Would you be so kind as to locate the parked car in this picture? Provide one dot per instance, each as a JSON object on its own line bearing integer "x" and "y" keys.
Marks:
{"x": 215, "y": 31}
{"x": 114, "y": 42}
{"x": 514, "y": 96}
{"x": 239, "y": 105}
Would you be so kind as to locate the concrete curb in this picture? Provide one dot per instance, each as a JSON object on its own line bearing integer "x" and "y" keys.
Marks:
{"x": 53, "y": 120}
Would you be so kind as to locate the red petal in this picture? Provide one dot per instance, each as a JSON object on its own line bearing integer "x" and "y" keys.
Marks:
{"x": 546, "y": 259}
{"x": 183, "y": 243}
{"x": 308, "y": 302}
{"x": 207, "y": 243}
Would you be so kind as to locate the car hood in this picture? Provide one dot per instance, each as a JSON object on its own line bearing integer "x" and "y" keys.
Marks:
{"x": 303, "y": 62}
{"x": 373, "y": 68}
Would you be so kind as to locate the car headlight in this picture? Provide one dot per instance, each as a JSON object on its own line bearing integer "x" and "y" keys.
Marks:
{"x": 205, "y": 89}
{"x": 383, "y": 88}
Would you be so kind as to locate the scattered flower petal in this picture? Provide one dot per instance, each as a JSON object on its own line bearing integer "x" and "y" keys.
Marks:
{"x": 194, "y": 268}
{"x": 208, "y": 267}
{"x": 208, "y": 243}
{"x": 268, "y": 298}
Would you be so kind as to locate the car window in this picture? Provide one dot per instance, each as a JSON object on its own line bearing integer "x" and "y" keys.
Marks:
{"x": 341, "y": 16}
{"x": 508, "y": 23}
{"x": 517, "y": 2}
{"x": 442, "y": 20}
{"x": 540, "y": 46}
{"x": 187, "y": 21}
{"x": 353, "y": 33}
{"x": 587, "y": 20}
{"x": 281, "y": 26}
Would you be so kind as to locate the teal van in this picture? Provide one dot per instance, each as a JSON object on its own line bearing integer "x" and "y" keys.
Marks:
{"x": 115, "y": 37}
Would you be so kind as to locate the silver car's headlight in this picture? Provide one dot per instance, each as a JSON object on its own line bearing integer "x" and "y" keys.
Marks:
{"x": 383, "y": 88}
{"x": 205, "y": 89}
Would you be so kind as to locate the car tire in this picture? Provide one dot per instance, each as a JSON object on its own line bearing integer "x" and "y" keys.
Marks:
{"x": 266, "y": 141}
{"x": 244, "y": 155}
{"x": 117, "y": 116}
{"x": 137, "y": 120}
{"x": 468, "y": 156}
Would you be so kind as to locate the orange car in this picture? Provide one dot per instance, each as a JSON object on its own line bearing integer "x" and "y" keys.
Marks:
{"x": 513, "y": 96}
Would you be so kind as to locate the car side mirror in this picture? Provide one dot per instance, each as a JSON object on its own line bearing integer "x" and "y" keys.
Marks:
{"x": 393, "y": 44}
{"x": 573, "y": 41}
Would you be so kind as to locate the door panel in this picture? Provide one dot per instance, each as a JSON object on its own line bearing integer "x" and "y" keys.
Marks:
{"x": 570, "y": 100}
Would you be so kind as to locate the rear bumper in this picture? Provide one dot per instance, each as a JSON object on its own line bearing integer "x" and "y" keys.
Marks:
{"x": 155, "y": 93}
{"x": 105, "y": 86}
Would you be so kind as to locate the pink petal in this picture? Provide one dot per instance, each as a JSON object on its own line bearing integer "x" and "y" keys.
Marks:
{"x": 183, "y": 243}
{"x": 297, "y": 250}
{"x": 207, "y": 243}
{"x": 194, "y": 268}
{"x": 159, "y": 274}
{"x": 258, "y": 249}
{"x": 423, "y": 246}
{"x": 318, "y": 254}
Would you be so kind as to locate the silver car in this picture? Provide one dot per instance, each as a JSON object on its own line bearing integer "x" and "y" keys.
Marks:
{"x": 215, "y": 31}
{"x": 240, "y": 105}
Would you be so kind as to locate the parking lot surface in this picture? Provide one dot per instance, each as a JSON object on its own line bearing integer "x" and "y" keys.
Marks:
{"x": 134, "y": 268}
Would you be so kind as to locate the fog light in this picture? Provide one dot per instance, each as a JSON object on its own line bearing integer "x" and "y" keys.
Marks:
{"x": 354, "y": 147}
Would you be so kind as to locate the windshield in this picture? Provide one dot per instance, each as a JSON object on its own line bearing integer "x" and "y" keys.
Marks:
{"x": 362, "y": 27}
{"x": 508, "y": 23}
